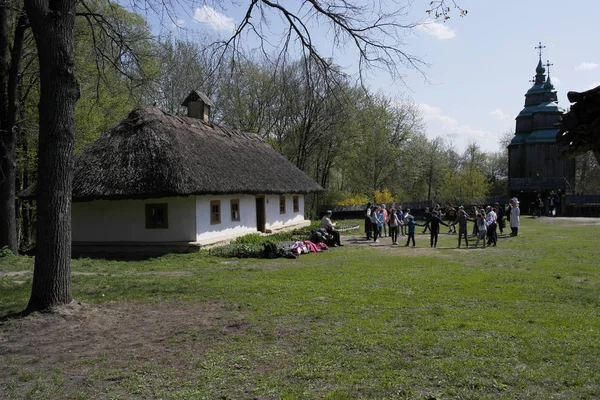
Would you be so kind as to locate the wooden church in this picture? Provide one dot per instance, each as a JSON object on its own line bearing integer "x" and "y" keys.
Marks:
{"x": 533, "y": 165}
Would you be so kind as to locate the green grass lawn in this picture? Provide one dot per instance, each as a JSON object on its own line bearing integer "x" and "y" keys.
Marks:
{"x": 519, "y": 321}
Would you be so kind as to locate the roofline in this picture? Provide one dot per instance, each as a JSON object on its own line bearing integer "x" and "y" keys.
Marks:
{"x": 163, "y": 195}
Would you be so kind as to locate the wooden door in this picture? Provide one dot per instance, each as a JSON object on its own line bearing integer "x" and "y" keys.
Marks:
{"x": 260, "y": 213}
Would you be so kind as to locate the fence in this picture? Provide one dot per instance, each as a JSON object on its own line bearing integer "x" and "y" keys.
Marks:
{"x": 416, "y": 207}
{"x": 581, "y": 205}
{"x": 572, "y": 206}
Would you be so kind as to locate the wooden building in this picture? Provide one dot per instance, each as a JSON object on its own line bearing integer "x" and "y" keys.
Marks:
{"x": 157, "y": 183}
{"x": 534, "y": 168}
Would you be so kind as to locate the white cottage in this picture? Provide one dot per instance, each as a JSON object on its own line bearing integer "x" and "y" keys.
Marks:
{"x": 158, "y": 182}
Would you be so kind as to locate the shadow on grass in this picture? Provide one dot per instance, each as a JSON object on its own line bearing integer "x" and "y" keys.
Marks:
{"x": 12, "y": 316}
{"x": 119, "y": 256}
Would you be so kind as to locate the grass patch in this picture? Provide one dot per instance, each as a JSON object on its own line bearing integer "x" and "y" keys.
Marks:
{"x": 517, "y": 321}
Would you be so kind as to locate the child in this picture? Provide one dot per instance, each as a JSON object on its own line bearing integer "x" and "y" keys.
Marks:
{"x": 411, "y": 230}
{"x": 481, "y": 224}
{"x": 381, "y": 221}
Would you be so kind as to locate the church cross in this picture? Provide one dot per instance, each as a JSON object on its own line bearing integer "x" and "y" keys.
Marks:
{"x": 548, "y": 65}
{"x": 532, "y": 80}
{"x": 539, "y": 48}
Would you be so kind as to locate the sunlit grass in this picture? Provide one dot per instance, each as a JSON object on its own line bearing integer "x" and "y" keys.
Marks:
{"x": 517, "y": 321}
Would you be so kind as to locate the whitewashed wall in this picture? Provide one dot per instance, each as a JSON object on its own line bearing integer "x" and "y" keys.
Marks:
{"x": 227, "y": 228}
{"x": 275, "y": 220}
{"x": 125, "y": 221}
{"x": 188, "y": 217}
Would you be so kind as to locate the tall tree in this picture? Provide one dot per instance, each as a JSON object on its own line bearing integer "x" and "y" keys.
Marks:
{"x": 184, "y": 65}
{"x": 249, "y": 96}
{"x": 434, "y": 165}
{"x": 52, "y": 23}
{"x": 587, "y": 174}
{"x": 10, "y": 60}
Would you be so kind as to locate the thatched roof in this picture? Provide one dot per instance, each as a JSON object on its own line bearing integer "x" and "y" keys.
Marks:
{"x": 153, "y": 154}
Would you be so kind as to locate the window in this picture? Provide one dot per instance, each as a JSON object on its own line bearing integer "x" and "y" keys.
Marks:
{"x": 281, "y": 204}
{"x": 157, "y": 216}
{"x": 215, "y": 212}
{"x": 296, "y": 204}
{"x": 235, "y": 209}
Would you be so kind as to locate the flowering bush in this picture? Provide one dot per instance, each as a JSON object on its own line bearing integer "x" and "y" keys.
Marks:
{"x": 383, "y": 196}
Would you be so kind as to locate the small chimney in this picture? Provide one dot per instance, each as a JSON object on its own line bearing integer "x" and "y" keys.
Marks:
{"x": 198, "y": 105}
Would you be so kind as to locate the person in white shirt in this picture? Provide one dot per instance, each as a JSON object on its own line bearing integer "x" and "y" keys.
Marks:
{"x": 515, "y": 213}
{"x": 330, "y": 228}
{"x": 491, "y": 219}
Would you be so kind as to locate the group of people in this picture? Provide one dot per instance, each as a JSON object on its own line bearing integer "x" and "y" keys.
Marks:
{"x": 537, "y": 207}
{"x": 378, "y": 219}
{"x": 487, "y": 221}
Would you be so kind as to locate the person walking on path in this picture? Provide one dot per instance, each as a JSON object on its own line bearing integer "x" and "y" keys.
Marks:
{"x": 411, "y": 230}
{"x": 434, "y": 228}
{"x": 515, "y": 213}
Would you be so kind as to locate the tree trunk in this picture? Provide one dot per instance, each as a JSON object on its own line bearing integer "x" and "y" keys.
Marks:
{"x": 26, "y": 214}
{"x": 52, "y": 23}
{"x": 8, "y": 165}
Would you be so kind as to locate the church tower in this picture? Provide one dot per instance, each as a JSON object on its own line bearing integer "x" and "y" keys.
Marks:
{"x": 533, "y": 165}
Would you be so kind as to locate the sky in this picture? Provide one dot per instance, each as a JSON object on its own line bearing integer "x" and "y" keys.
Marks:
{"x": 479, "y": 66}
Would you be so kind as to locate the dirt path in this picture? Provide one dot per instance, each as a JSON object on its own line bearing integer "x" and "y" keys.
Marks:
{"x": 128, "y": 335}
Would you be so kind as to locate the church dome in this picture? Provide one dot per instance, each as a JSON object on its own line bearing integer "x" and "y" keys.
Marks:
{"x": 540, "y": 68}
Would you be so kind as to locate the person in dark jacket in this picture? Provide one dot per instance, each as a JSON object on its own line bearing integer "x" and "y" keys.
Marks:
{"x": 427, "y": 216}
{"x": 368, "y": 226}
{"x": 461, "y": 220}
{"x": 451, "y": 217}
{"x": 500, "y": 216}
{"x": 434, "y": 227}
